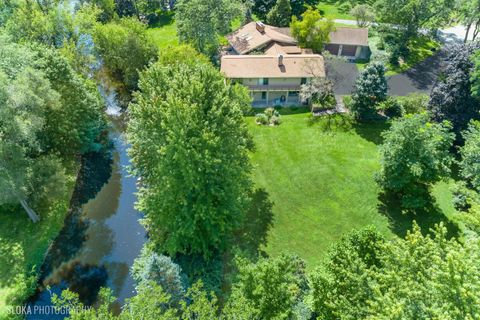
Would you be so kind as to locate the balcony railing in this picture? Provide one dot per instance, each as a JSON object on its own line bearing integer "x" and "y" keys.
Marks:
{"x": 274, "y": 87}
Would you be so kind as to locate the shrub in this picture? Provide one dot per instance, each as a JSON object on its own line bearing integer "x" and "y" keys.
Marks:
{"x": 275, "y": 120}
{"x": 269, "y": 112}
{"x": 261, "y": 118}
{"x": 391, "y": 108}
{"x": 345, "y": 7}
{"x": 463, "y": 197}
{"x": 414, "y": 103}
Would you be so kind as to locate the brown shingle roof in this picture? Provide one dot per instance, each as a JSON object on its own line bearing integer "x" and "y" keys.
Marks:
{"x": 350, "y": 36}
{"x": 266, "y": 66}
{"x": 248, "y": 38}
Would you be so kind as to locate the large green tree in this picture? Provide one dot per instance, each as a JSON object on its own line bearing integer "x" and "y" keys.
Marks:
{"x": 201, "y": 22}
{"x": 370, "y": 89}
{"x": 126, "y": 48}
{"x": 311, "y": 31}
{"x": 190, "y": 152}
{"x": 415, "y": 155}
{"x": 281, "y": 14}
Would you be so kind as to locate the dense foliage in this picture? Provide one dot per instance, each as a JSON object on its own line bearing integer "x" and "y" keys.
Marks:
{"x": 415, "y": 154}
{"x": 311, "y": 31}
{"x": 281, "y": 14}
{"x": 370, "y": 89}
{"x": 470, "y": 152}
{"x": 200, "y": 22}
{"x": 451, "y": 98}
{"x": 125, "y": 48}
{"x": 189, "y": 148}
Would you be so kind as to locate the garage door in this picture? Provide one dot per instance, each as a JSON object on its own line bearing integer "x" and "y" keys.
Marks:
{"x": 332, "y": 48}
{"x": 349, "y": 51}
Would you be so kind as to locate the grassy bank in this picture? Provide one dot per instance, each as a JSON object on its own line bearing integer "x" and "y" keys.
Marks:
{"x": 23, "y": 245}
{"x": 320, "y": 177}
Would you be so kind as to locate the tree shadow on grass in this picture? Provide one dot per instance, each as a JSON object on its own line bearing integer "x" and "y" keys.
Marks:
{"x": 253, "y": 233}
{"x": 371, "y": 131}
{"x": 331, "y": 123}
{"x": 426, "y": 218}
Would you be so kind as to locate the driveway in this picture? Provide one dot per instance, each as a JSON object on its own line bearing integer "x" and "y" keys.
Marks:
{"x": 420, "y": 78}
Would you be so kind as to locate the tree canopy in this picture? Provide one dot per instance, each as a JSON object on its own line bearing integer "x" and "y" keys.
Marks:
{"x": 415, "y": 154}
{"x": 281, "y": 14}
{"x": 311, "y": 31}
{"x": 189, "y": 148}
{"x": 470, "y": 152}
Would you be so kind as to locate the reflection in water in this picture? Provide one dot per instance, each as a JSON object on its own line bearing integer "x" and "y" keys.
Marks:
{"x": 101, "y": 237}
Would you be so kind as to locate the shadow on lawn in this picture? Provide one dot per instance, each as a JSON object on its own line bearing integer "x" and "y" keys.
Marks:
{"x": 258, "y": 221}
{"x": 163, "y": 19}
{"x": 426, "y": 218}
{"x": 371, "y": 131}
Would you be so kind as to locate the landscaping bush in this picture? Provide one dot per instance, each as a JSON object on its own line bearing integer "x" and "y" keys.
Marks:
{"x": 414, "y": 103}
{"x": 391, "y": 108}
{"x": 261, "y": 118}
{"x": 345, "y": 7}
{"x": 269, "y": 117}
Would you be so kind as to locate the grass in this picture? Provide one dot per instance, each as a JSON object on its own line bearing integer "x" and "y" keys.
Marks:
{"x": 329, "y": 10}
{"x": 164, "y": 31}
{"x": 23, "y": 244}
{"x": 320, "y": 177}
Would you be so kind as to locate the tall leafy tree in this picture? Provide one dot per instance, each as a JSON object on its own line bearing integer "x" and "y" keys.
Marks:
{"x": 190, "y": 150}
{"x": 125, "y": 48}
{"x": 470, "y": 152}
{"x": 281, "y": 14}
{"x": 261, "y": 8}
{"x": 412, "y": 15}
{"x": 469, "y": 12}
{"x": 200, "y": 22}
{"x": 451, "y": 97}
{"x": 271, "y": 287}
{"x": 415, "y": 155}
{"x": 311, "y": 31}
{"x": 370, "y": 89}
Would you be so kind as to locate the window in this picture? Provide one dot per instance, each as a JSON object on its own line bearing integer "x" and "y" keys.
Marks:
{"x": 265, "y": 81}
{"x": 292, "y": 94}
{"x": 264, "y": 95}
{"x": 303, "y": 81}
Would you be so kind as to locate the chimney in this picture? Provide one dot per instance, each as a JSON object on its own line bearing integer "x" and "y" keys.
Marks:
{"x": 260, "y": 26}
{"x": 280, "y": 60}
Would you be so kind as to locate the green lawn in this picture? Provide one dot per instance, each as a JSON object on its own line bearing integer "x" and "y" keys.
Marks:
{"x": 23, "y": 244}
{"x": 164, "y": 32}
{"x": 320, "y": 177}
{"x": 328, "y": 9}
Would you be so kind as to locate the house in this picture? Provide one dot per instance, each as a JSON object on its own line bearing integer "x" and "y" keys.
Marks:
{"x": 273, "y": 80}
{"x": 256, "y": 37}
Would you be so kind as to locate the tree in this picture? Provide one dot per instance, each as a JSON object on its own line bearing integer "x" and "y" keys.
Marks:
{"x": 469, "y": 12}
{"x": 412, "y": 15}
{"x": 318, "y": 91}
{"x": 451, "y": 97}
{"x": 300, "y": 6}
{"x": 261, "y": 8}
{"x": 475, "y": 75}
{"x": 200, "y": 22}
{"x": 470, "y": 152}
{"x": 370, "y": 89}
{"x": 339, "y": 287}
{"x": 125, "y": 48}
{"x": 364, "y": 15}
{"x": 415, "y": 155}
{"x": 312, "y": 31}
{"x": 271, "y": 287}
{"x": 194, "y": 190}
{"x": 419, "y": 277}
{"x": 281, "y": 14}
{"x": 151, "y": 267}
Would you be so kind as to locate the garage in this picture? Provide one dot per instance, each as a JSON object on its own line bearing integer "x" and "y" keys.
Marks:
{"x": 349, "y": 51}
{"x": 332, "y": 48}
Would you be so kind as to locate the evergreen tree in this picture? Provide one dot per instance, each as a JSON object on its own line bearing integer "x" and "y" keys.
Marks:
{"x": 370, "y": 89}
